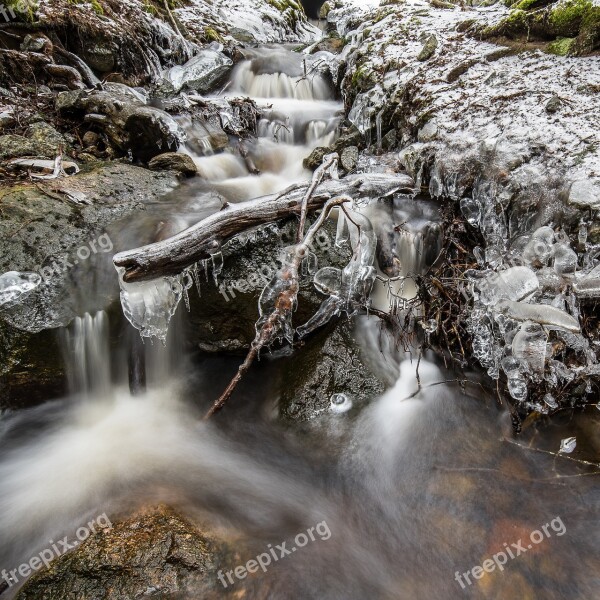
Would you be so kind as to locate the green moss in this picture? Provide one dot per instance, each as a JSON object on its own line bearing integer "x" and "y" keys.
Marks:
{"x": 524, "y": 4}
{"x": 96, "y": 6}
{"x": 561, "y": 46}
{"x": 212, "y": 35}
{"x": 284, "y": 4}
{"x": 569, "y": 14}
{"x": 363, "y": 79}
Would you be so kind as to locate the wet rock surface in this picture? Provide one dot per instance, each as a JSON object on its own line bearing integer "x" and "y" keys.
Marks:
{"x": 223, "y": 317}
{"x": 42, "y": 231}
{"x": 171, "y": 161}
{"x": 155, "y": 553}
{"x": 327, "y": 365}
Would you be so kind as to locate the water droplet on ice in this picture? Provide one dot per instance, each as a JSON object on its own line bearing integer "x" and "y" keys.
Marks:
{"x": 568, "y": 445}
{"x": 340, "y": 403}
{"x": 471, "y": 210}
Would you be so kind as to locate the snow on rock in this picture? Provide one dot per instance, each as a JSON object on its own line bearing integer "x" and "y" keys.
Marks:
{"x": 512, "y": 135}
{"x": 253, "y": 21}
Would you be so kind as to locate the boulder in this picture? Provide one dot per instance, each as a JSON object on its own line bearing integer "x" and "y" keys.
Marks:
{"x": 128, "y": 123}
{"x": 203, "y": 73}
{"x": 329, "y": 363}
{"x": 37, "y": 232}
{"x": 40, "y": 140}
{"x": 172, "y": 161}
{"x": 156, "y": 552}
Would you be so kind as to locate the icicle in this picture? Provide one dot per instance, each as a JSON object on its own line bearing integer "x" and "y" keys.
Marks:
{"x": 378, "y": 124}
{"x": 150, "y": 305}
{"x": 196, "y": 277}
{"x": 217, "y": 264}
{"x": 187, "y": 282}
{"x": 342, "y": 235}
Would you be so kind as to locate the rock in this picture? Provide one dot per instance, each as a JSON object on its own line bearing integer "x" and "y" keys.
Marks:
{"x": 151, "y": 131}
{"x": 585, "y": 194}
{"x": 575, "y": 24}
{"x": 7, "y": 119}
{"x": 428, "y": 132}
{"x": 330, "y": 363}
{"x": 349, "y": 158}
{"x": 429, "y": 47}
{"x": 333, "y": 43}
{"x": 36, "y": 43}
{"x": 172, "y": 161}
{"x": 253, "y": 21}
{"x": 223, "y": 319}
{"x": 90, "y": 138}
{"x": 101, "y": 55}
{"x": 14, "y": 146}
{"x": 350, "y": 137}
{"x": 553, "y": 105}
{"x": 155, "y": 552}
{"x": 203, "y": 73}
{"x": 38, "y": 230}
{"x": 325, "y": 9}
{"x": 45, "y": 139}
{"x": 389, "y": 140}
{"x": 121, "y": 113}
{"x": 562, "y": 46}
{"x": 201, "y": 133}
{"x": 316, "y": 158}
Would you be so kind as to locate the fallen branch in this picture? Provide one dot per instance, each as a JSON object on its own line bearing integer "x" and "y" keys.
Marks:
{"x": 278, "y": 323}
{"x": 172, "y": 256}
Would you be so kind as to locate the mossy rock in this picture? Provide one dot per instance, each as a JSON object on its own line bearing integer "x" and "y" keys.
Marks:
{"x": 561, "y": 46}
{"x": 575, "y": 19}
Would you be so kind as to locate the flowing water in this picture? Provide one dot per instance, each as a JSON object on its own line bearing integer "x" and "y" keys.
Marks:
{"x": 426, "y": 481}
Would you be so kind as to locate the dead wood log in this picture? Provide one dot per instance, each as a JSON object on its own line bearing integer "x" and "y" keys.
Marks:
{"x": 196, "y": 243}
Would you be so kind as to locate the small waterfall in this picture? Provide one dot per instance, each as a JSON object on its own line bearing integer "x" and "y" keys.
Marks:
{"x": 298, "y": 113}
{"x": 87, "y": 355}
{"x": 279, "y": 85}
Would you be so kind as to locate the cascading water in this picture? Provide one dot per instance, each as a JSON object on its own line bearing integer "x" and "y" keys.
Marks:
{"x": 424, "y": 482}
{"x": 87, "y": 355}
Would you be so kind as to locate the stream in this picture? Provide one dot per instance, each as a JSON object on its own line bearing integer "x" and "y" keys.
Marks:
{"x": 425, "y": 482}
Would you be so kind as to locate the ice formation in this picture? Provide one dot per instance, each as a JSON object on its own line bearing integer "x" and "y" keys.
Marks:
{"x": 14, "y": 285}
{"x": 150, "y": 305}
{"x": 471, "y": 123}
{"x": 349, "y": 288}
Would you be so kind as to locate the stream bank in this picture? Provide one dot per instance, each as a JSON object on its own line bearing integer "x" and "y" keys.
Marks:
{"x": 414, "y": 468}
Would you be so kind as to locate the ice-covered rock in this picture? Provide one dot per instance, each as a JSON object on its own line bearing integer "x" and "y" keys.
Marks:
{"x": 14, "y": 285}
{"x": 203, "y": 73}
{"x": 252, "y": 21}
{"x": 585, "y": 193}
